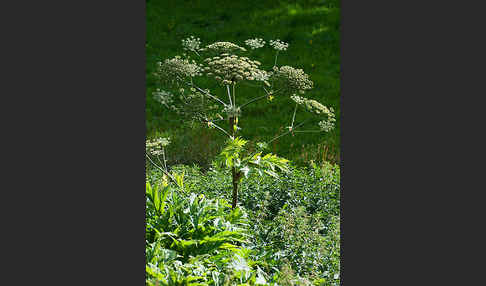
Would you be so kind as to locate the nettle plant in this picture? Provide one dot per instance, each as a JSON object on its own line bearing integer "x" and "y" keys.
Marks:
{"x": 226, "y": 64}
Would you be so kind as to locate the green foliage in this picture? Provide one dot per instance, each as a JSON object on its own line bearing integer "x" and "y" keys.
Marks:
{"x": 193, "y": 237}
{"x": 297, "y": 214}
{"x": 312, "y": 29}
{"x": 232, "y": 156}
{"x": 196, "y": 241}
{"x": 231, "y": 153}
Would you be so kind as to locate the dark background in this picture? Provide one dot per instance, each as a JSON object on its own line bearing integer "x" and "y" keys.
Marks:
{"x": 72, "y": 211}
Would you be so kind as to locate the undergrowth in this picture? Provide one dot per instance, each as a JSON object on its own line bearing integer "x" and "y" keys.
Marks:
{"x": 287, "y": 231}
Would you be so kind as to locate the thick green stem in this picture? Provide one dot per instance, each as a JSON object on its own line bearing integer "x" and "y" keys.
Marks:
{"x": 234, "y": 173}
{"x": 235, "y": 187}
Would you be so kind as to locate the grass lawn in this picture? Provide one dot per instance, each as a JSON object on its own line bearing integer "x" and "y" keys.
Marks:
{"x": 310, "y": 27}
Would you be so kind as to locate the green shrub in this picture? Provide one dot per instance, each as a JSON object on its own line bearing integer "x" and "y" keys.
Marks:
{"x": 192, "y": 240}
{"x": 303, "y": 203}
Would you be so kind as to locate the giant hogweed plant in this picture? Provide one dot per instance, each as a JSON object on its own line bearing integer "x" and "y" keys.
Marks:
{"x": 221, "y": 109}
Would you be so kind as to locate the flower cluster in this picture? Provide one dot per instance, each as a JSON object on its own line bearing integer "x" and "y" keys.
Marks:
{"x": 319, "y": 109}
{"x": 191, "y": 44}
{"x": 229, "y": 69}
{"x": 255, "y": 43}
{"x": 294, "y": 80}
{"x": 177, "y": 69}
{"x": 297, "y": 99}
{"x": 224, "y": 47}
{"x": 163, "y": 97}
{"x": 327, "y": 125}
{"x": 311, "y": 105}
{"x": 279, "y": 45}
{"x": 261, "y": 75}
{"x": 156, "y": 146}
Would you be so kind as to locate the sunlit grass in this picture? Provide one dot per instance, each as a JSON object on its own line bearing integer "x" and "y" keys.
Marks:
{"x": 311, "y": 28}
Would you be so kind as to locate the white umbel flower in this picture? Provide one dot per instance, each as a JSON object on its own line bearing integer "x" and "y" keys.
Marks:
{"x": 224, "y": 47}
{"x": 177, "y": 69}
{"x": 155, "y": 146}
{"x": 229, "y": 69}
{"x": 255, "y": 43}
{"x": 294, "y": 80}
{"x": 319, "y": 109}
{"x": 279, "y": 45}
{"x": 191, "y": 44}
{"x": 163, "y": 97}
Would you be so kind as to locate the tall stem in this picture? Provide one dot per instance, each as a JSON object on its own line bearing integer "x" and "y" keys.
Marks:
{"x": 234, "y": 96}
{"x": 235, "y": 187}
{"x": 206, "y": 93}
{"x": 229, "y": 95}
{"x": 293, "y": 117}
{"x": 234, "y": 173}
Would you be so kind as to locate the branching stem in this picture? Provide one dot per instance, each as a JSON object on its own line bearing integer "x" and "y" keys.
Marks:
{"x": 293, "y": 117}
{"x": 287, "y": 132}
{"x": 276, "y": 55}
{"x": 253, "y": 100}
{"x": 164, "y": 171}
{"x": 221, "y": 129}
{"x": 207, "y": 93}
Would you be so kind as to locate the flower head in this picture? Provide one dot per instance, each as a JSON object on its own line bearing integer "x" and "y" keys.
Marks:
{"x": 177, "y": 69}
{"x": 326, "y": 125}
{"x": 319, "y": 109}
{"x": 229, "y": 69}
{"x": 293, "y": 80}
{"x": 279, "y": 45}
{"x": 155, "y": 146}
{"x": 191, "y": 44}
{"x": 255, "y": 43}
{"x": 164, "y": 97}
{"x": 224, "y": 47}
